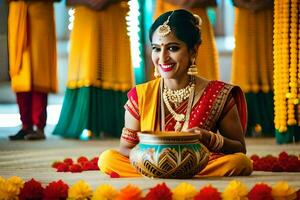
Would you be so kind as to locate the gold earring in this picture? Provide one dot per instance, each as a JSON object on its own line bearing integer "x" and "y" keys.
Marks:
{"x": 156, "y": 73}
{"x": 193, "y": 69}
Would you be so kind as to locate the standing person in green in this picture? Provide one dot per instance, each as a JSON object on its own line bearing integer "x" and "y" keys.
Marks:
{"x": 252, "y": 62}
{"x": 32, "y": 62}
{"x": 100, "y": 71}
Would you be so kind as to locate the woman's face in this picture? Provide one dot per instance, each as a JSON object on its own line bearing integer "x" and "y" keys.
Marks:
{"x": 170, "y": 56}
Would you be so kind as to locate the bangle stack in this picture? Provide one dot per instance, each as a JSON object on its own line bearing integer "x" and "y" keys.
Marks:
{"x": 216, "y": 142}
{"x": 130, "y": 135}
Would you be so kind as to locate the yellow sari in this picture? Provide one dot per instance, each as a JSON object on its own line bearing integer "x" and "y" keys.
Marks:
{"x": 32, "y": 46}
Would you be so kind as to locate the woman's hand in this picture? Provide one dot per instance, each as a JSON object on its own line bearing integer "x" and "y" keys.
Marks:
{"x": 204, "y": 135}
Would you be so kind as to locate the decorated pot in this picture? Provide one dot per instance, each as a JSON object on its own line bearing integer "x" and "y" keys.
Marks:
{"x": 169, "y": 155}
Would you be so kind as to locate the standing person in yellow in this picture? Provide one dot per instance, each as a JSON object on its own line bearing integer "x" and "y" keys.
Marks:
{"x": 207, "y": 60}
{"x": 252, "y": 62}
{"x": 32, "y": 61}
{"x": 100, "y": 70}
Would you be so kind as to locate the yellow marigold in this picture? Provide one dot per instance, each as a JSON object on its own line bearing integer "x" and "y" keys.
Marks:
{"x": 282, "y": 191}
{"x": 10, "y": 189}
{"x": 184, "y": 191}
{"x": 105, "y": 192}
{"x": 235, "y": 190}
{"x": 130, "y": 192}
{"x": 80, "y": 191}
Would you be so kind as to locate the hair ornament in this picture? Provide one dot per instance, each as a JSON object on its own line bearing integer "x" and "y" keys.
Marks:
{"x": 198, "y": 21}
{"x": 165, "y": 29}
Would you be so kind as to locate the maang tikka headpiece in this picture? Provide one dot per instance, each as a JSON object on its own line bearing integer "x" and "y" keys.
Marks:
{"x": 165, "y": 29}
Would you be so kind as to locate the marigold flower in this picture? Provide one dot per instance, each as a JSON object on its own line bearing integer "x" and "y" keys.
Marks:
{"x": 208, "y": 193}
{"x": 260, "y": 191}
{"x": 10, "y": 188}
{"x": 130, "y": 192}
{"x": 105, "y": 192}
{"x": 184, "y": 191}
{"x": 235, "y": 190}
{"x": 32, "y": 190}
{"x": 56, "y": 190}
{"x": 282, "y": 190}
{"x": 160, "y": 191}
{"x": 80, "y": 190}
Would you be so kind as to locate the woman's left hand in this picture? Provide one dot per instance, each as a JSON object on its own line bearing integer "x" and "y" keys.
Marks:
{"x": 204, "y": 134}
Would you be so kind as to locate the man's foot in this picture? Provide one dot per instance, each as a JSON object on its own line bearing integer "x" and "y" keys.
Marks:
{"x": 39, "y": 134}
{"x": 20, "y": 134}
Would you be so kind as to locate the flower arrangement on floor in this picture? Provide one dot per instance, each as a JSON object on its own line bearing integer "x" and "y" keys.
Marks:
{"x": 15, "y": 188}
{"x": 83, "y": 164}
{"x": 283, "y": 163}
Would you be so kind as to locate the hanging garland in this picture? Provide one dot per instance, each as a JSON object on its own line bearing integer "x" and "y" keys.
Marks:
{"x": 286, "y": 63}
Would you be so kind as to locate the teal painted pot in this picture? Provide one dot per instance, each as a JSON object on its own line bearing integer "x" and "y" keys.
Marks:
{"x": 169, "y": 155}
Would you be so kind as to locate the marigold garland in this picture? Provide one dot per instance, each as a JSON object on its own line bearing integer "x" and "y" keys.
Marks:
{"x": 32, "y": 189}
{"x": 286, "y": 63}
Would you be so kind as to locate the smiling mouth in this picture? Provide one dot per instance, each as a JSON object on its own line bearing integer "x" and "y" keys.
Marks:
{"x": 166, "y": 67}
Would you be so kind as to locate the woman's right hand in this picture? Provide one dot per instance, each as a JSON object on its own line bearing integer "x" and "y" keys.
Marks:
{"x": 204, "y": 134}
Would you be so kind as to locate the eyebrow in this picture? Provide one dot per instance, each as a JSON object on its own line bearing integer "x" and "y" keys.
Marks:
{"x": 168, "y": 44}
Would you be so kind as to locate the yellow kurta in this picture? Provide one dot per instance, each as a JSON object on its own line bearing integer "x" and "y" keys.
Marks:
{"x": 32, "y": 46}
{"x": 100, "y": 49}
{"x": 252, "y": 60}
{"x": 207, "y": 58}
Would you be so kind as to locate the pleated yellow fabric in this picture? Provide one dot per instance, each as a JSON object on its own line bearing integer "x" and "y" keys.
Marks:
{"x": 252, "y": 60}
{"x": 100, "y": 49}
{"x": 148, "y": 103}
{"x": 207, "y": 60}
{"x": 32, "y": 46}
{"x": 237, "y": 164}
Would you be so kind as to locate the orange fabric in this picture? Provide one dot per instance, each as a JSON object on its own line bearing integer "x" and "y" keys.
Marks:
{"x": 237, "y": 164}
{"x": 32, "y": 46}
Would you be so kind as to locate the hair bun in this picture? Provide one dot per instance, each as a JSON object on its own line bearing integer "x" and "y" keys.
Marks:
{"x": 198, "y": 20}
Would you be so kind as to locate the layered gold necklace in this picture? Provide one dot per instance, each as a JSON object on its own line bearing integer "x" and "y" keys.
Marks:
{"x": 177, "y": 97}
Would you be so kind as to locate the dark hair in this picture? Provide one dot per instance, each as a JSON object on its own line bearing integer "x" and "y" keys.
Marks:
{"x": 183, "y": 24}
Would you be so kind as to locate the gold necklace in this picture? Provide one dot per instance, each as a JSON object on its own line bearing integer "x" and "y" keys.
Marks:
{"x": 178, "y": 117}
{"x": 178, "y": 96}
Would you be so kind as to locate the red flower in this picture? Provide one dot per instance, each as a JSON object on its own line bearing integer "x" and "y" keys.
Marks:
{"x": 114, "y": 175}
{"x": 283, "y": 157}
{"x": 56, "y": 191}
{"x": 32, "y": 190}
{"x": 82, "y": 159}
{"x": 160, "y": 191}
{"x": 62, "y": 167}
{"x": 95, "y": 160}
{"x": 254, "y": 157}
{"x": 55, "y": 164}
{"x": 260, "y": 191}
{"x": 89, "y": 166}
{"x": 277, "y": 168}
{"x": 208, "y": 193}
{"x": 68, "y": 161}
{"x": 75, "y": 168}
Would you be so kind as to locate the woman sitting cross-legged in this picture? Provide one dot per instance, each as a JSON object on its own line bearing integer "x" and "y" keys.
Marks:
{"x": 179, "y": 100}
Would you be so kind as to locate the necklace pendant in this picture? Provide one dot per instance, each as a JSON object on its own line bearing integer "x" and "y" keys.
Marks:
{"x": 177, "y": 126}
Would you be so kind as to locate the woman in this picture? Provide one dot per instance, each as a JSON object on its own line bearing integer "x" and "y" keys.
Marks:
{"x": 208, "y": 60}
{"x": 32, "y": 63}
{"x": 187, "y": 103}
